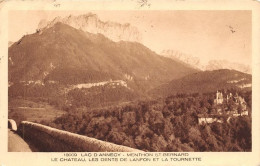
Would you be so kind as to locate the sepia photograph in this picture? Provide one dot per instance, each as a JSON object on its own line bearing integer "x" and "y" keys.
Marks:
{"x": 154, "y": 81}
{"x": 129, "y": 82}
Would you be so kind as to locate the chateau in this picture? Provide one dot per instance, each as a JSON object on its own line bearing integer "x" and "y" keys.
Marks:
{"x": 239, "y": 108}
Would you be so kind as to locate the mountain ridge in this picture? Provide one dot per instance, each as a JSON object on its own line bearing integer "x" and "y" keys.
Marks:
{"x": 92, "y": 24}
{"x": 206, "y": 81}
{"x": 54, "y": 59}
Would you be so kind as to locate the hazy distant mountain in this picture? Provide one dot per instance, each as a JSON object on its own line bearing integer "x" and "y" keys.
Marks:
{"x": 211, "y": 65}
{"x": 206, "y": 81}
{"x": 182, "y": 57}
{"x": 62, "y": 57}
{"x": 92, "y": 24}
{"x": 224, "y": 64}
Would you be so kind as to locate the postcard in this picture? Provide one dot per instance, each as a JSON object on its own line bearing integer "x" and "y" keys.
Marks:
{"x": 137, "y": 82}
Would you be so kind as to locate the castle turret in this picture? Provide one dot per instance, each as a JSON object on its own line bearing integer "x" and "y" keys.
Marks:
{"x": 219, "y": 98}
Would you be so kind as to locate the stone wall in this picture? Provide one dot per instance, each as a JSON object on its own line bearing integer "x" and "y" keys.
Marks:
{"x": 12, "y": 125}
{"x": 49, "y": 139}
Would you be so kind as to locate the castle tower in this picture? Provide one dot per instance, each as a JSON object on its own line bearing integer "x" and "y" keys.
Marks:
{"x": 219, "y": 98}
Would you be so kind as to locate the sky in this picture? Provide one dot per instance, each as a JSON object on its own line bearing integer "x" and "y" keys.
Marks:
{"x": 209, "y": 35}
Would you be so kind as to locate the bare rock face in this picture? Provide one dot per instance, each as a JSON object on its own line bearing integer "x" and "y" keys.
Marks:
{"x": 92, "y": 24}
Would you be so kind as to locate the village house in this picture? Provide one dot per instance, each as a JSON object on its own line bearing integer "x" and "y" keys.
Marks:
{"x": 206, "y": 119}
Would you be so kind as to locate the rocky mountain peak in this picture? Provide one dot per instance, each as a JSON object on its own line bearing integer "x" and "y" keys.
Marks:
{"x": 91, "y": 23}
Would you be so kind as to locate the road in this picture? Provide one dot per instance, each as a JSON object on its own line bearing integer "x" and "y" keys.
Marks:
{"x": 17, "y": 144}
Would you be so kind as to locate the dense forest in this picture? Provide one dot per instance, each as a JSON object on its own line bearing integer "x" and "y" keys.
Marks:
{"x": 165, "y": 124}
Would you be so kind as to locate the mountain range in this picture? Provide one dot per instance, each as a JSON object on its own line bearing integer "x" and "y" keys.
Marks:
{"x": 210, "y": 65}
{"x": 64, "y": 61}
{"x": 67, "y": 55}
{"x": 59, "y": 58}
{"x": 125, "y": 32}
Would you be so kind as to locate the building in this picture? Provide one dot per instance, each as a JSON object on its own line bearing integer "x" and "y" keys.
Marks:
{"x": 206, "y": 119}
{"x": 239, "y": 109}
{"x": 219, "y": 98}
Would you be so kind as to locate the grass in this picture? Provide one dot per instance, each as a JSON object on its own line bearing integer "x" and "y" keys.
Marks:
{"x": 21, "y": 110}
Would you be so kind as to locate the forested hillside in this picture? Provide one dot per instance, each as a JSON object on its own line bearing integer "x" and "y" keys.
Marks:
{"x": 206, "y": 81}
{"x": 167, "y": 124}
